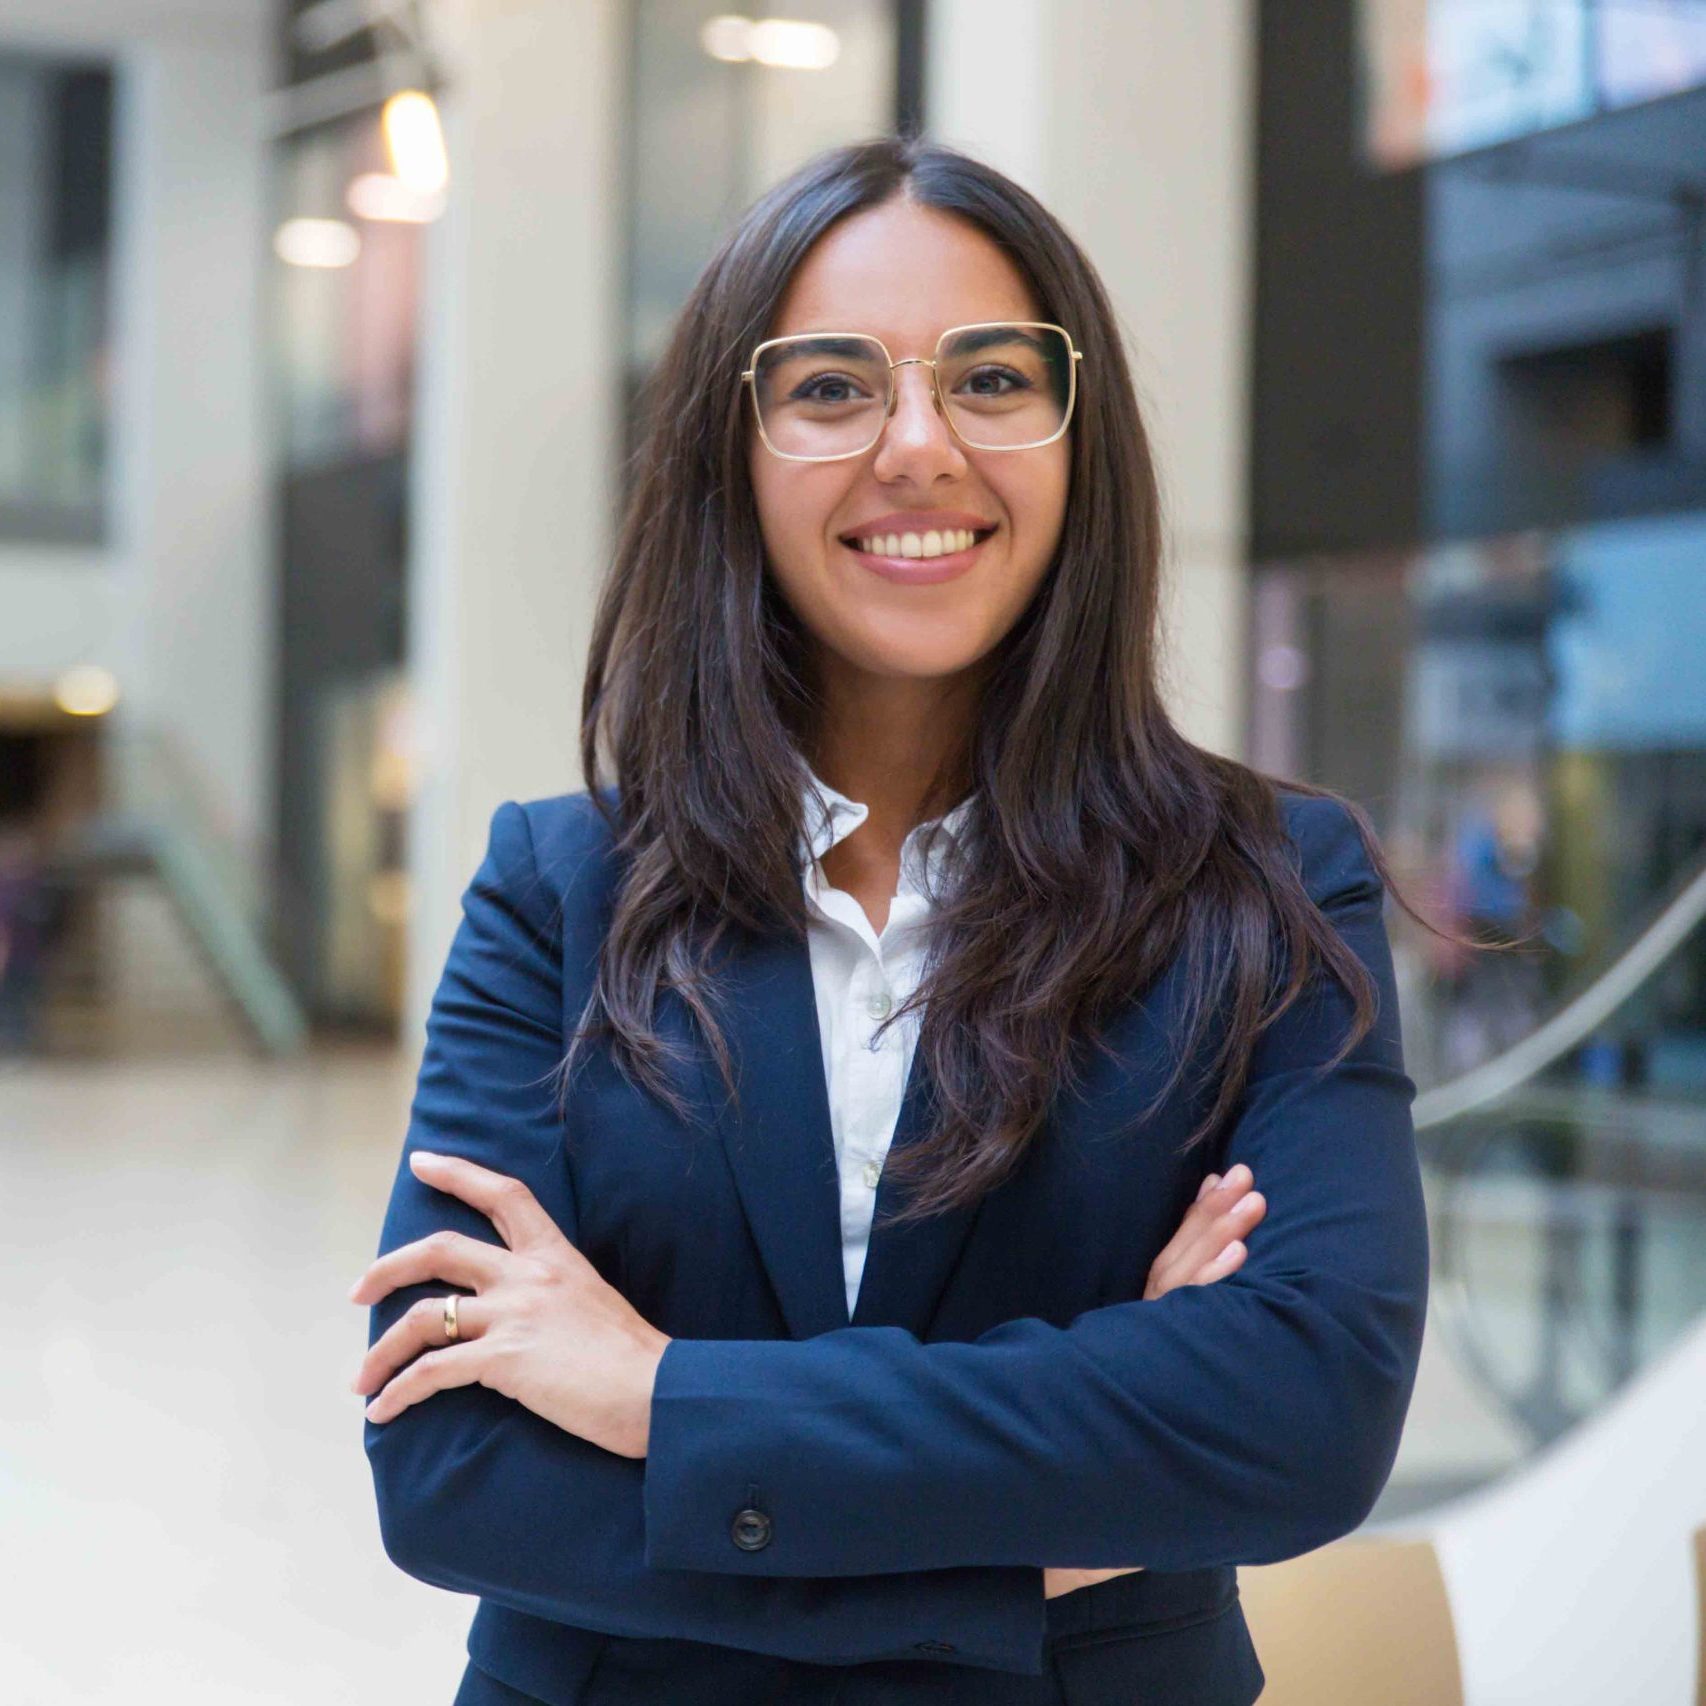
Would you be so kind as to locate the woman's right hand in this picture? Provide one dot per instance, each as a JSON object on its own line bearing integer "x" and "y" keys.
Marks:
{"x": 1208, "y": 1246}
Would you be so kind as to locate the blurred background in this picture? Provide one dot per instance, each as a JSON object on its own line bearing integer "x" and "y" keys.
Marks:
{"x": 321, "y": 323}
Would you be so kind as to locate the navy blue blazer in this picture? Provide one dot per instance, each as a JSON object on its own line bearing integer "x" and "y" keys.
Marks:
{"x": 830, "y": 1500}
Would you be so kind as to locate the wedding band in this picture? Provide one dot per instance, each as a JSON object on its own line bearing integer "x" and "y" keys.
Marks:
{"x": 451, "y": 1330}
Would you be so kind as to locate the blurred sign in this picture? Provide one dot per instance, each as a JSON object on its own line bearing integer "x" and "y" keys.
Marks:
{"x": 1441, "y": 77}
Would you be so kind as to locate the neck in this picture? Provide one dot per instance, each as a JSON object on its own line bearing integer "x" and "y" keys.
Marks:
{"x": 883, "y": 739}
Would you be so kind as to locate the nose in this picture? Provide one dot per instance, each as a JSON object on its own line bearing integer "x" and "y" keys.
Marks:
{"x": 917, "y": 442}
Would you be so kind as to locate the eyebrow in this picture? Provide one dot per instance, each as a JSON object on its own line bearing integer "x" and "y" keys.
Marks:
{"x": 825, "y": 345}
{"x": 981, "y": 338}
{"x": 1003, "y": 333}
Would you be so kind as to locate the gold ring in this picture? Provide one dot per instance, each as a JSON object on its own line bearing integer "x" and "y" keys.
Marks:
{"x": 451, "y": 1329}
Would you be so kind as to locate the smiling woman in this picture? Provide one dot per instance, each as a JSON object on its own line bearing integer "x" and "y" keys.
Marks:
{"x": 848, "y": 1116}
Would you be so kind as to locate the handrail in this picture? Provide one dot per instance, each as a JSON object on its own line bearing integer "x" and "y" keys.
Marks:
{"x": 155, "y": 818}
{"x": 1577, "y": 1019}
{"x": 1535, "y": 1411}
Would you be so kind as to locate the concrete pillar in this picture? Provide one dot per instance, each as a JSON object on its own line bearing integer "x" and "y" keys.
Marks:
{"x": 194, "y": 479}
{"x": 517, "y": 431}
{"x": 1134, "y": 124}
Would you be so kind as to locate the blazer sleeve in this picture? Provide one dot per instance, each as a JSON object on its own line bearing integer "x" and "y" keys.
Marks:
{"x": 1242, "y": 1422}
{"x": 477, "y": 1493}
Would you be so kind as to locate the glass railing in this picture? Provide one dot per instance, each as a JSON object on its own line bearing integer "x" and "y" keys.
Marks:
{"x": 153, "y": 822}
{"x": 1524, "y": 717}
{"x": 1567, "y": 1190}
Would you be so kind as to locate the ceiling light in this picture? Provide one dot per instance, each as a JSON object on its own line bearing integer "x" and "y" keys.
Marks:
{"x": 316, "y": 243}
{"x": 415, "y": 140}
{"x": 86, "y": 690}
{"x": 727, "y": 37}
{"x": 379, "y": 195}
{"x": 789, "y": 44}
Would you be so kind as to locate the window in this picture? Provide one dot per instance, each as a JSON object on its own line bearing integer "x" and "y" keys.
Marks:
{"x": 55, "y": 353}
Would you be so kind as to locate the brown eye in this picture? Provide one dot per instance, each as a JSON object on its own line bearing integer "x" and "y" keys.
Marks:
{"x": 1015, "y": 381}
{"x": 811, "y": 391}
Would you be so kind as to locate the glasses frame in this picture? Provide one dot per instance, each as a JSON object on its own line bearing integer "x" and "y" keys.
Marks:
{"x": 749, "y": 379}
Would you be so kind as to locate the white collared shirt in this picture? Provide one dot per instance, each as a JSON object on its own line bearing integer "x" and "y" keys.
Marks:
{"x": 858, "y": 976}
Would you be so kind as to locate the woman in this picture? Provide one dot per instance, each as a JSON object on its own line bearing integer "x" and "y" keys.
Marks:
{"x": 845, "y": 1330}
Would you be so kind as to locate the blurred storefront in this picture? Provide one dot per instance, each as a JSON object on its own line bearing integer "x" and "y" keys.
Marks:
{"x": 1478, "y": 508}
{"x": 135, "y": 632}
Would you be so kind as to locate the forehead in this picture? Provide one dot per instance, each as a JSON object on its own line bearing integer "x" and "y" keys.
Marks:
{"x": 904, "y": 273}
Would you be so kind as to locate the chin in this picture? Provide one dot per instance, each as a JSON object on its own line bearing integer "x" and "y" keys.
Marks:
{"x": 915, "y": 662}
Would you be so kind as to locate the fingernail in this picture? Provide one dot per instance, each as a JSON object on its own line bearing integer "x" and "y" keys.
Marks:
{"x": 1207, "y": 1185}
{"x": 368, "y": 1412}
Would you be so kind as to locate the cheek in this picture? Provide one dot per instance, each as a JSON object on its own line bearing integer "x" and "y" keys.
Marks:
{"x": 794, "y": 505}
{"x": 1035, "y": 499}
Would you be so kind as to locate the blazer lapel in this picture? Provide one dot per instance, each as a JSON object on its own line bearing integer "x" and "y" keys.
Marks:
{"x": 781, "y": 1150}
{"x": 779, "y": 1145}
{"x": 907, "y": 1267}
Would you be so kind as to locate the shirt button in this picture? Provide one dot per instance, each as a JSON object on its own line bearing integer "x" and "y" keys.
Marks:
{"x": 879, "y": 1003}
{"x": 751, "y": 1530}
{"x": 873, "y": 1173}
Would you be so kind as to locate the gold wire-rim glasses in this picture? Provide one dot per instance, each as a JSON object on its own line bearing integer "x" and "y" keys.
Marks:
{"x": 750, "y": 378}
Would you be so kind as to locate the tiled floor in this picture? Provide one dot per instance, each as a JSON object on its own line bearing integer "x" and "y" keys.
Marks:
{"x": 187, "y": 1511}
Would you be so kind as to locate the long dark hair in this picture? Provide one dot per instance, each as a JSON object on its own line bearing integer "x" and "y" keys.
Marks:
{"x": 1101, "y": 842}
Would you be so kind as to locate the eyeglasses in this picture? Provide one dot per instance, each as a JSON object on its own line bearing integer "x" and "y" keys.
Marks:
{"x": 1000, "y": 384}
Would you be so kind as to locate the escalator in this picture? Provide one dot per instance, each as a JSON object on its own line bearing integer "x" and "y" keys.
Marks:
{"x": 1567, "y": 1193}
{"x": 152, "y": 829}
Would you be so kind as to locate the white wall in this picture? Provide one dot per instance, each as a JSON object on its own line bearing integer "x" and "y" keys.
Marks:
{"x": 178, "y": 602}
{"x": 1572, "y": 1580}
{"x": 1134, "y": 123}
{"x": 517, "y": 433}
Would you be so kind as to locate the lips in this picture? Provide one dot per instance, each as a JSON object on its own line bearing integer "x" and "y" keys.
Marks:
{"x": 894, "y": 541}
{"x": 919, "y": 521}
{"x": 920, "y": 570}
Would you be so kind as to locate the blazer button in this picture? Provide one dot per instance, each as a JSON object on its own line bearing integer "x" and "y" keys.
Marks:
{"x": 937, "y": 1647}
{"x": 751, "y": 1530}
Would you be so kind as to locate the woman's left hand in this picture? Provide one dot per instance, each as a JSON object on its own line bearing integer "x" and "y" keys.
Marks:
{"x": 543, "y": 1328}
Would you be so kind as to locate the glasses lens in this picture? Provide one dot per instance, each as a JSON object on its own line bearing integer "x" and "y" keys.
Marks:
{"x": 822, "y": 396}
{"x": 1006, "y": 386}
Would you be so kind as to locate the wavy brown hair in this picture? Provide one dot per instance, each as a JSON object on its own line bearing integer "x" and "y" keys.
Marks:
{"x": 1101, "y": 843}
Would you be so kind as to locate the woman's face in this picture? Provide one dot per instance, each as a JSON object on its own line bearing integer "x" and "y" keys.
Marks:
{"x": 905, "y": 274}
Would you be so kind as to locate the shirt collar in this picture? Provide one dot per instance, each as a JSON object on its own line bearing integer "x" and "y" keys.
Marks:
{"x": 830, "y": 816}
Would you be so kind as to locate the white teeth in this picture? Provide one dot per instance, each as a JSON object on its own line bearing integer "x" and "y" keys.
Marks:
{"x": 932, "y": 544}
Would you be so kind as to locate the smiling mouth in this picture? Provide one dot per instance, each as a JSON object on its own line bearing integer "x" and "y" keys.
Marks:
{"x": 918, "y": 547}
